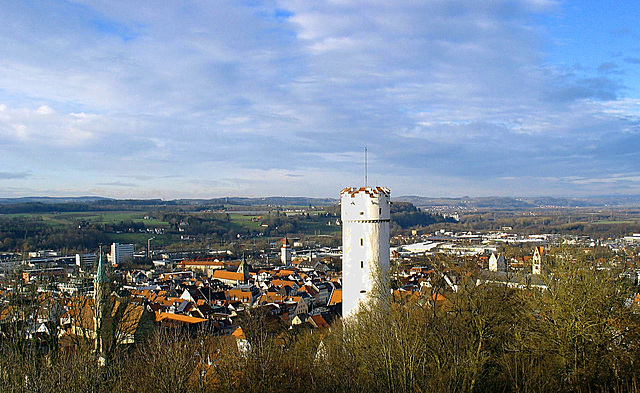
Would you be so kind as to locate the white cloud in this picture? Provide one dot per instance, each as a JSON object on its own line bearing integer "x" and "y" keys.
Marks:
{"x": 45, "y": 110}
{"x": 45, "y": 127}
{"x": 453, "y": 91}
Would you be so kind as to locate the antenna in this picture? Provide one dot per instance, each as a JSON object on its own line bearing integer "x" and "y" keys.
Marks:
{"x": 365, "y": 167}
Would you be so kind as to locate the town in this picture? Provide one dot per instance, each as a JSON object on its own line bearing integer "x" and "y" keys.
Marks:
{"x": 120, "y": 296}
{"x": 295, "y": 280}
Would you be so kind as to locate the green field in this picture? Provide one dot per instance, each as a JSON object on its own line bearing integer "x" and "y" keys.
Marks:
{"x": 246, "y": 221}
{"x": 63, "y": 219}
{"x": 616, "y": 222}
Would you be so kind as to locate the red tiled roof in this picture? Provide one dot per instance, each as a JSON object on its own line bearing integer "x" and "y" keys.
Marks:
{"x": 225, "y": 275}
{"x": 336, "y": 297}
{"x": 177, "y": 317}
{"x": 319, "y": 321}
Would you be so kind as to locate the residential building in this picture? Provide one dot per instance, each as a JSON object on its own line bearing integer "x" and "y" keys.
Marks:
{"x": 121, "y": 252}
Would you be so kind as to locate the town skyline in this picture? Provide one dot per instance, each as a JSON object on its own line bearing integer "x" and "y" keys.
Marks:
{"x": 199, "y": 100}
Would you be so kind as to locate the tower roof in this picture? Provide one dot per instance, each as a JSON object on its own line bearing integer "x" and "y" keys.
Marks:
{"x": 101, "y": 274}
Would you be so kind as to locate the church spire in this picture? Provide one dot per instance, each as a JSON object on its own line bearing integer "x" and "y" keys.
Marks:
{"x": 100, "y": 285}
{"x": 101, "y": 273}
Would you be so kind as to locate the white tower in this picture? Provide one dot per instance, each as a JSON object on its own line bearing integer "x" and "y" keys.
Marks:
{"x": 285, "y": 252}
{"x": 365, "y": 214}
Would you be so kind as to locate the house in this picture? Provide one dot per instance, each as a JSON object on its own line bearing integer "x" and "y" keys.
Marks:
{"x": 497, "y": 263}
{"x": 325, "y": 291}
{"x": 178, "y": 321}
{"x": 336, "y": 298}
{"x": 227, "y": 277}
{"x": 317, "y": 321}
{"x": 246, "y": 297}
{"x": 206, "y": 267}
{"x": 537, "y": 260}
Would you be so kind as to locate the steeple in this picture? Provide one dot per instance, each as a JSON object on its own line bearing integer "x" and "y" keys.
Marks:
{"x": 100, "y": 285}
{"x": 101, "y": 273}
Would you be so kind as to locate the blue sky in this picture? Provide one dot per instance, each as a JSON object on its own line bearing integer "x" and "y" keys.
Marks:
{"x": 200, "y": 99}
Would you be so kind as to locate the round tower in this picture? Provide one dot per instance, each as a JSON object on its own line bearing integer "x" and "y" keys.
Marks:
{"x": 365, "y": 214}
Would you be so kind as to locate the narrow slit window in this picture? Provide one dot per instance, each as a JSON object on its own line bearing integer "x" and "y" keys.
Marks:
{"x": 361, "y": 241}
{"x": 361, "y": 264}
{"x": 380, "y": 210}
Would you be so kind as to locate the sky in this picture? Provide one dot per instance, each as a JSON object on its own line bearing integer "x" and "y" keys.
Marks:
{"x": 203, "y": 99}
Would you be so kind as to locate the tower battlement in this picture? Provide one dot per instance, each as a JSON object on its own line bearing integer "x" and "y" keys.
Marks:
{"x": 371, "y": 191}
{"x": 365, "y": 204}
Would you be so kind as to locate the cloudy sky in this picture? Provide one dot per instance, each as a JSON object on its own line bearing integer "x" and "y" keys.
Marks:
{"x": 182, "y": 99}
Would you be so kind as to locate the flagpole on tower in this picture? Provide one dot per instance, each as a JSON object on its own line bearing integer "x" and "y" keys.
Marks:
{"x": 366, "y": 169}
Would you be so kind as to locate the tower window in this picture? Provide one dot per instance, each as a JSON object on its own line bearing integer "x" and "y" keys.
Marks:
{"x": 362, "y": 213}
{"x": 380, "y": 210}
{"x": 363, "y": 291}
{"x": 361, "y": 264}
{"x": 361, "y": 241}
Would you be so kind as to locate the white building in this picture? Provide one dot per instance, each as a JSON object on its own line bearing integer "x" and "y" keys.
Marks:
{"x": 84, "y": 260}
{"x": 285, "y": 252}
{"x": 538, "y": 254}
{"x": 121, "y": 252}
{"x": 365, "y": 214}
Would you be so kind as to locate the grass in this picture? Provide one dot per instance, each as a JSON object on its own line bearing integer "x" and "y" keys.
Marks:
{"x": 246, "y": 221}
{"x": 615, "y": 222}
{"x": 62, "y": 219}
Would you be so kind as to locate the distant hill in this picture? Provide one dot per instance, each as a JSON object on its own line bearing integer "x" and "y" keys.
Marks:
{"x": 28, "y": 205}
{"x": 85, "y": 203}
{"x": 523, "y": 203}
{"x": 261, "y": 201}
{"x": 50, "y": 200}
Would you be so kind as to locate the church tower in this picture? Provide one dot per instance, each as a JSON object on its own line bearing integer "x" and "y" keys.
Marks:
{"x": 101, "y": 294}
{"x": 285, "y": 252}
{"x": 244, "y": 269}
{"x": 537, "y": 260}
{"x": 365, "y": 213}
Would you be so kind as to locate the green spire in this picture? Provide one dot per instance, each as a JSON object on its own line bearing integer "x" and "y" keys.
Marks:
{"x": 101, "y": 274}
